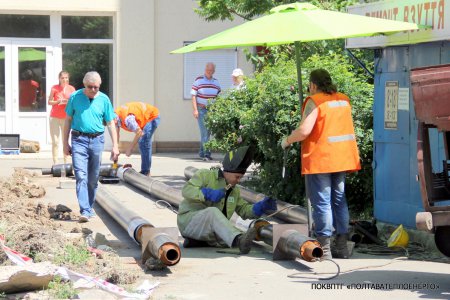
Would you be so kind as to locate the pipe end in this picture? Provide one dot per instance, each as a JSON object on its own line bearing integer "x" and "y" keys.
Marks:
{"x": 311, "y": 250}
{"x": 170, "y": 254}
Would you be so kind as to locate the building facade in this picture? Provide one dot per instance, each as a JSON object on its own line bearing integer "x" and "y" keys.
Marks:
{"x": 129, "y": 44}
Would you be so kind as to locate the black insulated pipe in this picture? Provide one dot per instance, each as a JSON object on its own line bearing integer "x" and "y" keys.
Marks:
{"x": 157, "y": 244}
{"x": 55, "y": 170}
{"x": 150, "y": 186}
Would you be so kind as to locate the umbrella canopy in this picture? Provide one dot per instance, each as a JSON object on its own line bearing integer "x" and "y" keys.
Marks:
{"x": 298, "y": 22}
{"x": 27, "y": 54}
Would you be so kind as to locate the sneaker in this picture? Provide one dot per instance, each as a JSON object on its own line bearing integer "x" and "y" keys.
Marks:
{"x": 205, "y": 159}
{"x": 83, "y": 219}
{"x": 209, "y": 158}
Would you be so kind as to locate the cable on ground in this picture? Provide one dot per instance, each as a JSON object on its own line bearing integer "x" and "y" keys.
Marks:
{"x": 162, "y": 204}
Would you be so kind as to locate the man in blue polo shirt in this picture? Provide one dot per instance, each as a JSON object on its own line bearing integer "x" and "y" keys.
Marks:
{"x": 87, "y": 111}
{"x": 204, "y": 91}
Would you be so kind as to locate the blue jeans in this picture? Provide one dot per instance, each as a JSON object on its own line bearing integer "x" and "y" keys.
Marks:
{"x": 145, "y": 145}
{"x": 327, "y": 195}
{"x": 86, "y": 160}
{"x": 204, "y": 133}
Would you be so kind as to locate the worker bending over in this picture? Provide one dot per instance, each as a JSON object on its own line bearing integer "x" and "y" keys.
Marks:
{"x": 142, "y": 119}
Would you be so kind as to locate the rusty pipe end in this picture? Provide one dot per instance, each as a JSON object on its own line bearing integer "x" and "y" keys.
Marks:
{"x": 169, "y": 254}
{"x": 258, "y": 224}
{"x": 311, "y": 250}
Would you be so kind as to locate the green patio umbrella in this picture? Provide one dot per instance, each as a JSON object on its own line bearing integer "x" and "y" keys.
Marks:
{"x": 27, "y": 54}
{"x": 295, "y": 23}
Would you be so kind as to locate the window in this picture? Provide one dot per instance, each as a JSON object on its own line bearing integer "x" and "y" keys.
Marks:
{"x": 194, "y": 66}
{"x": 78, "y": 59}
{"x": 25, "y": 26}
{"x": 94, "y": 54}
{"x": 77, "y": 27}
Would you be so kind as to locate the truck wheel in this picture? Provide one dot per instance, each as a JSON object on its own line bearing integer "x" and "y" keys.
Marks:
{"x": 442, "y": 239}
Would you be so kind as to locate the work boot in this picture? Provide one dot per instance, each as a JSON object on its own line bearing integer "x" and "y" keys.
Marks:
{"x": 340, "y": 249}
{"x": 244, "y": 241}
{"x": 325, "y": 243}
{"x": 193, "y": 243}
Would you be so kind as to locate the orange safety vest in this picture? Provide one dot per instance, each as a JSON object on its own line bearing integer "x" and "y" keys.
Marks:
{"x": 143, "y": 113}
{"x": 331, "y": 146}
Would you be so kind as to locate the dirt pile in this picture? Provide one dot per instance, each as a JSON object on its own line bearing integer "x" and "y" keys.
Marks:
{"x": 35, "y": 228}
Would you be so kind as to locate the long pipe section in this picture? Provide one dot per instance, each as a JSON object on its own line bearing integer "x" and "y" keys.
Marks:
{"x": 160, "y": 245}
{"x": 55, "y": 170}
{"x": 291, "y": 242}
{"x": 150, "y": 186}
{"x": 293, "y": 215}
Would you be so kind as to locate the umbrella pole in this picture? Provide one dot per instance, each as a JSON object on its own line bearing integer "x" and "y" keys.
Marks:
{"x": 298, "y": 62}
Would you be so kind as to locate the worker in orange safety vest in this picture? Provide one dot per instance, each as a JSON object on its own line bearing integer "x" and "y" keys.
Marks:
{"x": 329, "y": 151}
{"x": 142, "y": 119}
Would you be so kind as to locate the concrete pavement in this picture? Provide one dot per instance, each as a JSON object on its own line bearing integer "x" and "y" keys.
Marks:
{"x": 211, "y": 273}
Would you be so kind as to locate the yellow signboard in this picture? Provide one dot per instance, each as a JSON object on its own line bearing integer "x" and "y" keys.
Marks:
{"x": 434, "y": 14}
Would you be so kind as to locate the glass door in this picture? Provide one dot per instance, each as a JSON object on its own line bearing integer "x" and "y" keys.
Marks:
{"x": 5, "y": 126}
{"x": 32, "y": 69}
{"x": 29, "y": 65}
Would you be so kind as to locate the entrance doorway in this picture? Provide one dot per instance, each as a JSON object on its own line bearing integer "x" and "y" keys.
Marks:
{"x": 23, "y": 90}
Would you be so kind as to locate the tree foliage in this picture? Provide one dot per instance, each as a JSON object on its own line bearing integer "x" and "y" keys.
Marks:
{"x": 212, "y": 10}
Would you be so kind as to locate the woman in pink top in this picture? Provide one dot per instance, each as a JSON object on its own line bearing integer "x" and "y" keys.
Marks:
{"x": 58, "y": 98}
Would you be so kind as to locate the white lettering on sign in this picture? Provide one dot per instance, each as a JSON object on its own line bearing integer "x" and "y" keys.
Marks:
{"x": 391, "y": 105}
{"x": 424, "y": 13}
{"x": 421, "y": 12}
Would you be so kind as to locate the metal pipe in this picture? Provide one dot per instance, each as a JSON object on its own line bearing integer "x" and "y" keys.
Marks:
{"x": 55, "y": 170}
{"x": 303, "y": 247}
{"x": 150, "y": 186}
{"x": 158, "y": 244}
{"x": 291, "y": 242}
{"x": 294, "y": 243}
{"x": 294, "y": 215}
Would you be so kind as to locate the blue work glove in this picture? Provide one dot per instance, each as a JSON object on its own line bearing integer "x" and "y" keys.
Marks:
{"x": 265, "y": 205}
{"x": 212, "y": 194}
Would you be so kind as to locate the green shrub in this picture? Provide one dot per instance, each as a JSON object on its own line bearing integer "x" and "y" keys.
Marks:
{"x": 269, "y": 109}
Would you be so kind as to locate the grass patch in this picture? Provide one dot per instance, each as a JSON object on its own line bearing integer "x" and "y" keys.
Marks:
{"x": 61, "y": 289}
{"x": 74, "y": 255}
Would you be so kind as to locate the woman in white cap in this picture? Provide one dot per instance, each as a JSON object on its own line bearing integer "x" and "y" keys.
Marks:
{"x": 238, "y": 79}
